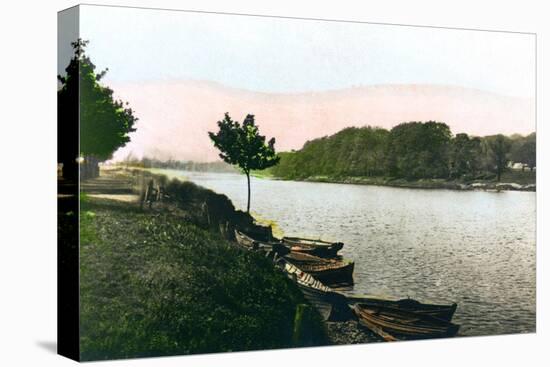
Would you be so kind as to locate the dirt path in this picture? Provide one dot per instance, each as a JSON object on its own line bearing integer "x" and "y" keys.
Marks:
{"x": 111, "y": 184}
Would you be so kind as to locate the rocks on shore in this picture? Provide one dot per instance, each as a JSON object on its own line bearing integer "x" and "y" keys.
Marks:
{"x": 427, "y": 183}
{"x": 349, "y": 332}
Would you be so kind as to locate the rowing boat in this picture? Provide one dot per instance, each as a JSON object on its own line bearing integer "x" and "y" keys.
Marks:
{"x": 251, "y": 244}
{"x": 392, "y": 324}
{"x": 442, "y": 312}
{"x": 308, "y": 246}
{"x": 331, "y": 272}
{"x": 331, "y": 305}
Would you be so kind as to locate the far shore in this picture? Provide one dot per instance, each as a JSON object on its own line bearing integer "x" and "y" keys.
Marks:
{"x": 511, "y": 181}
{"x": 528, "y": 184}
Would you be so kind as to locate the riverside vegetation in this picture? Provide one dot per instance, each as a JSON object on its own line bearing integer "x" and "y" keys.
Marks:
{"x": 167, "y": 281}
{"x": 413, "y": 154}
{"x": 410, "y": 154}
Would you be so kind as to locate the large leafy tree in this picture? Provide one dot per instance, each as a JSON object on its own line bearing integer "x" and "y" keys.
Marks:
{"x": 243, "y": 146}
{"x": 105, "y": 122}
{"x": 464, "y": 156}
{"x": 419, "y": 150}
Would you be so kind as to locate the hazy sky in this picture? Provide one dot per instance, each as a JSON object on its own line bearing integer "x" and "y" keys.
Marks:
{"x": 289, "y": 56}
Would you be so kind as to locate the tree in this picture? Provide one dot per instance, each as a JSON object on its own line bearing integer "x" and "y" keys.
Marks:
{"x": 418, "y": 150}
{"x": 82, "y": 101}
{"x": 524, "y": 150}
{"x": 499, "y": 147}
{"x": 464, "y": 156}
{"x": 244, "y": 146}
{"x": 528, "y": 154}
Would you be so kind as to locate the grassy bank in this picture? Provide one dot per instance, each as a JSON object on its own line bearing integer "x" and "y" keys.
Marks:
{"x": 159, "y": 283}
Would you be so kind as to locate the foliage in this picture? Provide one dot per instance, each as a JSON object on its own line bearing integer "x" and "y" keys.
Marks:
{"x": 352, "y": 151}
{"x": 410, "y": 151}
{"x": 155, "y": 285}
{"x": 464, "y": 156}
{"x": 419, "y": 150}
{"x": 243, "y": 146}
{"x": 104, "y": 121}
{"x": 499, "y": 147}
{"x": 524, "y": 150}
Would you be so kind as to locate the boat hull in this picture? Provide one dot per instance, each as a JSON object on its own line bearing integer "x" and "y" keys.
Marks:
{"x": 393, "y": 324}
{"x": 313, "y": 247}
{"x": 331, "y": 272}
{"x": 331, "y": 305}
{"x": 442, "y": 312}
{"x": 334, "y": 277}
{"x": 249, "y": 243}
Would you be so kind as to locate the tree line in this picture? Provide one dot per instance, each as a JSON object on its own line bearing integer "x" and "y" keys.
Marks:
{"x": 410, "y": 150}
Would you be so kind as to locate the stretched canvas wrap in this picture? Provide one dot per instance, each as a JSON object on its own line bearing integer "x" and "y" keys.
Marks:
{"x": 233, "y": 182}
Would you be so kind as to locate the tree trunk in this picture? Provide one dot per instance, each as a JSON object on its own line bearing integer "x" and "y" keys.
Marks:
{"x": 248, "y": 182}
{"x": 89, "y": 168}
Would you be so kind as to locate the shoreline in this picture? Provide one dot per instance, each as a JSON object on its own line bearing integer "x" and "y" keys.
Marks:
{"x": 423, "y": 184}
{"x": 157, "y": 232}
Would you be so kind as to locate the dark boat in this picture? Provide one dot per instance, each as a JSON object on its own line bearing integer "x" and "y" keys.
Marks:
{"x": 442, "y": 312}
{"x": 331, "y": 305}
{"x": 392, "y": 324}
{"x": 331, "y": 272}
{"x": 247, "y": 241}
{"x": 251, "y": 244}
{"x": 313, "y": 247}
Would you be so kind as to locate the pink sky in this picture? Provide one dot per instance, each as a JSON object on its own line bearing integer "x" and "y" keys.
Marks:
{"x": 175, "y": 116}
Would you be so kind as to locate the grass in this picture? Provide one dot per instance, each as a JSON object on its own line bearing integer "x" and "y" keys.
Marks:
{"x": 153, "y": 284}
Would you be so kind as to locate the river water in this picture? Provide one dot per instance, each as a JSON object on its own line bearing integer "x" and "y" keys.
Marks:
{"x": 474, "y": 248}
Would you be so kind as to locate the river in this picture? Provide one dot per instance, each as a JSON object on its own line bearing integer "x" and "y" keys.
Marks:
{"x": 474, "y": 248}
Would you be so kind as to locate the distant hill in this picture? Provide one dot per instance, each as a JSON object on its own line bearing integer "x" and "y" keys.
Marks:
{"x": 174, "y": 116}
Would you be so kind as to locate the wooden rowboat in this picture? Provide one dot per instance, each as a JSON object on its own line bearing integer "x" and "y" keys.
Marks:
{"x": 331, "y": 305}
{"x": 313, "y": 247}
{"x": 392, "y": 324}
{"x": 246, "y": 241}
{"x": 442, "y": 312}
{"x": 331, "y": 272}
{"x": 251, "y": 244}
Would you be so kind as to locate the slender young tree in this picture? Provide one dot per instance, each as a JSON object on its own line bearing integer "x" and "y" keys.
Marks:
{"x": 243, "y": 146}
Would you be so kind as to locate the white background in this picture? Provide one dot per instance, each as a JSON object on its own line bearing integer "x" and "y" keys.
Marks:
{"x": 28, "y": 184}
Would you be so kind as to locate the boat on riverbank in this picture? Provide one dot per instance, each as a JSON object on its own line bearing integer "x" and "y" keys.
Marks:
{"x": 332, "y": 306}
{"x": 331, "y": 272}
{"x": 391, "y": 324}
{"x": 250, "y": 243}
{"x": 317, "y": 248}
{"x": 442, "y": 312}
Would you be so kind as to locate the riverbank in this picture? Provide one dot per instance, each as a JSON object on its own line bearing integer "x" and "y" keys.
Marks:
{"x": 166, "y": 281}
{"x": 510, "y": 181}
